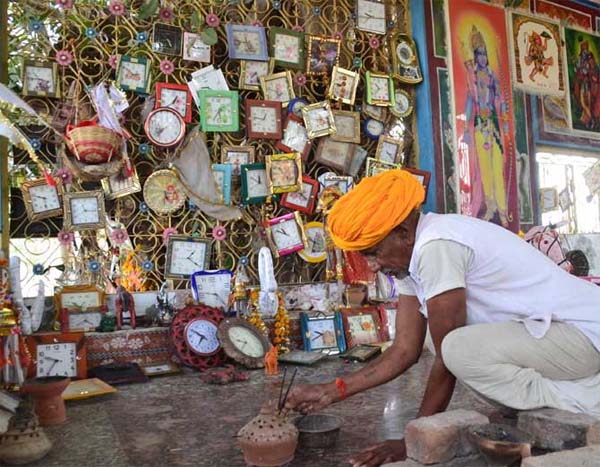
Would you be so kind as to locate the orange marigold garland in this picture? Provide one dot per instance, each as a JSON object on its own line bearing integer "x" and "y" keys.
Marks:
{"x": 282, "y": 327}
{"x": 255, "y": 318}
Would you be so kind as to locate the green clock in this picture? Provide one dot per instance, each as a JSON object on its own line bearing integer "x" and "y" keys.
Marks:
{"x": 219, "y": 110}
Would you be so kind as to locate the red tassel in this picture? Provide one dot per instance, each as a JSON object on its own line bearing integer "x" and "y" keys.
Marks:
{"x": 49, "y": 178}
{"x": 129, "y": 170}
{"x": 24, "y": 355}
{"x": 3, "y": 360}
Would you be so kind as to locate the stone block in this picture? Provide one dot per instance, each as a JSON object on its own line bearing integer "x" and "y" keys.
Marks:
{"x": 558, "y": 429}
{"x": 406, "y": 463}
{"x": 588, "y": 456}
{"x": 441, "y": 437}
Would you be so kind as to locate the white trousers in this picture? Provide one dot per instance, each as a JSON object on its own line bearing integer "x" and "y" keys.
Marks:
{"x": 504, "y": 363}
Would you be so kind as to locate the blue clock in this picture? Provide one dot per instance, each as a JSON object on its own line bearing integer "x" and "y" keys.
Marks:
{"x": 373, "y": 128}
{"x": 323, "y": 333}
{"x": 295, "y": 106}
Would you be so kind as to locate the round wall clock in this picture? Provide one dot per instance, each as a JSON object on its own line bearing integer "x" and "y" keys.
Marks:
{"x": 316, "y": 250}
{"x": 163, "y": 192}
{"x": 194, "y": 336}
{"x": 403, "y": 105}
{"x": 373, "y": 128}
{"x": 243, "y": 342}
{"x": 164, "y": 127}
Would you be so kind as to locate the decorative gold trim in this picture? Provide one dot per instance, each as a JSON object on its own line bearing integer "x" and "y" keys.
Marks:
{"x": 337, "y": 136}
{"x": 396, "y": 142}
{"x": 284, "y": 75}
{"x": 338, "y": 73}
{"x": 272, "y": 160}
{"x": 307, "y": 109}
{"x": 251, "y": 87}
{"x": 134, "y": 187}
{"x": 36, "y": 216}
{"x": 68, "y": 214}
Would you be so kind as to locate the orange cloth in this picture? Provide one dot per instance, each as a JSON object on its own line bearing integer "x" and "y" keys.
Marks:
{"x": 366, "y": 215}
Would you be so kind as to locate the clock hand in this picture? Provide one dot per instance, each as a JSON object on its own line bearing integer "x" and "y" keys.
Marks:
{"x": 50, "y": 358}
{"x": 202, "y": 336}
{"x": 282, "y": 232}
{"x": 51, "y": 367}
{"x": 319, "y": 335}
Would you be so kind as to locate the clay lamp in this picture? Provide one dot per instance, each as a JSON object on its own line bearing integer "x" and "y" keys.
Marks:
{"x": 47, "y": 398}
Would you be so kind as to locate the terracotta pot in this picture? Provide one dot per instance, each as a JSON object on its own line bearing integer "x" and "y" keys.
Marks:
{"x": 268, "y": 440}
{"x": 48, "y": 404}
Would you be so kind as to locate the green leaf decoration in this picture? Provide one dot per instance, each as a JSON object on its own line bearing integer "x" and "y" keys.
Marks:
{"x": 209, "y": 36}
{"x": 148, "y": 9}
{"x": 197, "y": 21}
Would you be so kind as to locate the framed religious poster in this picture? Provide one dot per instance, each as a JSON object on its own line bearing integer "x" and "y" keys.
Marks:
{"x": 536, "y": 59}
{"x": 362, "y": 326}
{"x": 486, "y": 181}
{"x": 322, "y": 55}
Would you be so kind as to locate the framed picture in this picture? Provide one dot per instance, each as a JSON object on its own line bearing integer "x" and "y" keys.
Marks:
{"x": 263, "y": 119}
{"x": 334, "y": 154}
{"x": 362, "y": 326}
{"x": 390, "y": 150}
{"x": 303, "y": 200}
{"x": 246, "y": 42}
{"x": 322, "y": 55}
{"x": 375, "y": 166}
{"x": 347, "y": 125}
{"x": 548, "y": 199}
{"x": 323, "y": 333}
{"x": 194, "y": 48}
{"x": 343, "y": 182}
{"x": 252, "y": 71}
{"x": 40, "y": 79}
{"x": 117, "y": 186}
{"x": 166, "y": 39}
{"x": 41, "y": 199}
{"x": 133, "y": 74}
{"x": 316, "y": 250}
{"x": 380, "y": 89}
{"x": 284, "y": 172}
{"x": 222, "y": 174}
{"x": 219, "y": 110}
{"x": 318, "y": 119}
{"x": 286, "y": 234}
{"x": 362, "y": 352}
{"x": 85, "y": 388}
{"x": 278, "y": 87}
{"x": 255, "y": 188}
{"x": 388, "y": 319}
{"x": 236, "y": 156}
{"x": 405, "y": 61}
{"x": 370, "y": 16}
{"x": 295, "y": 138}
{"x": 287, "y": 48}
{"x": 343, "y": 85}
{"x": 160, "y": 369}
{"x": 564, "y": 199}
{"x": 175, "y": 96}
{"x": 186, "y": 255}
{"x": 374, "y": 111}
{"x": 422, "y": 175}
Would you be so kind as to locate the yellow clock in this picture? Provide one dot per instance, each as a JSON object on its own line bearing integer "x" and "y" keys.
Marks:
{"x": 163, "y": 192}
{"x": 316, "y": 251}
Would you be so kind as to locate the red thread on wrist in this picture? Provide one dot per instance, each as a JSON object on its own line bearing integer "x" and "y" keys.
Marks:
{"x": 341, "y": 386}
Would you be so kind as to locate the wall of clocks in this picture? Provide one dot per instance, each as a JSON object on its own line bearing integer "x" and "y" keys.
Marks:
{"x": 269, "y": 61}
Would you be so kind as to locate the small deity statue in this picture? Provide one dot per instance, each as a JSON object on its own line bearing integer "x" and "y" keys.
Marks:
{"x": 124, "y": 305}
{"x": 271, "y": 362}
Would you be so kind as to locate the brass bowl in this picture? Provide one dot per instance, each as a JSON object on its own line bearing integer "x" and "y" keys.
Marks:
{"x": 500, "y": 445}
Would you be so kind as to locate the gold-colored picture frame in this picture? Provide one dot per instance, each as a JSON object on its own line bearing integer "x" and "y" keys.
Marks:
{"x": 27, "y": 199}
{"x": 284, "y": 84}
{"x": 344, "y": 84}
{"x": 322, "y": 54}
{"x": 237, "y": 168}
{"x": 68, "y": 199}
{"x": 283, "y": 167}
{"x": 66, "y": 296}
{"x": 375, "y": 167}
{"x": 247, "y": 77}
{"x": 347, "y": 125}
{"x": 84, "y": 388}
{"x": 318, "y": 119}
{"x": 117, "y": 186}
{"x": 374, "y": 111}
{"x": 389, "y": 150}
{"x": 37, "y": 85}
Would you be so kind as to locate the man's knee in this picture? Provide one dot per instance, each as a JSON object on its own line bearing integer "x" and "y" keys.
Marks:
{"x": 457, "y": 351}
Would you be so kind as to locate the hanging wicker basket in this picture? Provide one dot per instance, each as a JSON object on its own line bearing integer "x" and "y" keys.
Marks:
{"x": 91, "y": 143}
{"x": 91, "y": 173}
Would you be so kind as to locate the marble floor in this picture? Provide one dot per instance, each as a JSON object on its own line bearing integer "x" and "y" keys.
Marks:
{"x": 179, "y": 421}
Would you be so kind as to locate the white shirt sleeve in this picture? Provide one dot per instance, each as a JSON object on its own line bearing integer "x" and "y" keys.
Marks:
{"x": 406, "y": 286}
{"x": 443, "y": 266}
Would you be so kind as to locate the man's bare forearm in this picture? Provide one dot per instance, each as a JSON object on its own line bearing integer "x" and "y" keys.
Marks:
{"x": 440, "y": 387}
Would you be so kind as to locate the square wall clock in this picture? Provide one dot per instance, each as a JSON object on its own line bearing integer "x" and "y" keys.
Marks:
{"x": 255, "y": 188}
{"x": 287, "y": 48}
{"x": 286, "y": 234}
{"x": 323, "y": 333}
{"x": 133, "y": 74}
{"x": 166, "y": 39}
{"x": 219, "y": 110}
{"x": 40, "y": 79}
{"x": 284, "y": 172}
{"x": 247, "y": 42}
{"x": 175, "y": 96}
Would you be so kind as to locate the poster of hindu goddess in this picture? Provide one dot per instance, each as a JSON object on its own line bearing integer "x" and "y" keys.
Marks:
{"x": 536, "y": 54}
{"x": 483, "y": 113}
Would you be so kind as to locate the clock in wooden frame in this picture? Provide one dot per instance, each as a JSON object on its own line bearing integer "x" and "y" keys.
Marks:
{"x": 83, "y": 321}
{"x": 175, "y": 96}
{"x": 40, "y": 79}
{"x": 323, "y": 333}
{"x": 295, "y": 138}
{"x": 263, "y": 119}
{"x": 79, "y": 297}
{"x": 255, "y": 188}
{"x": 303, "y": 200}
{"x": 243, "y": 342}
{"x": 41, "y": 199}
{"x": 186, "y": 255}
{"x": 362, "y": 326}
{"x": 237, "y": 156}
{"x": 58, "y": 354}
{"x": 84, "y": 210}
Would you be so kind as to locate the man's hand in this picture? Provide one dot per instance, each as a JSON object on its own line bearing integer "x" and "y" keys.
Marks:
{"x": 389, "y": 451}
{"x": 311, "y": 397}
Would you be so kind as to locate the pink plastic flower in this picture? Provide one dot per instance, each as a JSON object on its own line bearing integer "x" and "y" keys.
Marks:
{"x": 65, "y": 237}
{"x": 167, "y": 233}
{"x": 64, "y": 57}
{"x": 212, "y": 20}
{"x": 338, "y": 35}
{"x": 298, "y": 28}
{"x": 65, "y": 4}
{"x": 112, "y": 62}
{"x": 117, "y": 8}
{"x": 374, "y": 42}
{"x": 65, "y": 176}
{"x": 300, "y": 79}
{"x": 256, "y": 23}
{"x": 166, "y": 66}
{"x": 119, "y": 236}
{"x": 219, "y": 232}
{"x": 166, "y": 15}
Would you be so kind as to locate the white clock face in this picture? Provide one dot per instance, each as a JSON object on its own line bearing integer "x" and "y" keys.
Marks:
{"x": 133, "y": 75}
{"x": 213, "y": 289}
{"x": 286, "y": 234}
{"x": 297, "y": 108}
{"x": 405, "y": 53}
{"x": 277, "y": 90}
{"x": 319, "y": 119}
{"x": 375, "y": 127}
{"x": 187, "y": 257}
{"x": 84, "y": 210}
{"x": 345, "y": 126}
{"x": 371, "y": 16}
{"x": 321, "y": 334}
{"x": 257, "y": 183}
{"x": 218, "y": 111}
{"x": 164, "y": 127}
{"x": 195, "y": 49}
{"x": 237, "y": 159}
{"x": 315, "y": 238}
{"x": 174, "y": 99}
{"x": 84, "y": 321}
{"x": 39, "y": 79}
{"x": 380, "y": 89}
{"x": 295, "y": 136}
{"x": 201, "y": 336}
{"x": 302, "y": 197}
{"x": 57, "y": 360}
{"x": 287, "y": 48}
{"x": 247, "y": 42}
{"x": 254, "y": 71}
{"x": 80, "y": 300}
{"x": 44, "y": 198}
{"x": 402, "y": 106}
{"x": 246, "y": 342}
{"x": 389, "y": 152}
{"x": 263, "y": 119}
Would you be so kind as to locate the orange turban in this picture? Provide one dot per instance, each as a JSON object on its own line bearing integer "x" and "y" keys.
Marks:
{"x": 366, "y": 215}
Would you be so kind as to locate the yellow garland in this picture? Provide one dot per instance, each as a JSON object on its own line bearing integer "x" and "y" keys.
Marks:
{"x": 255, "y": 318}
{"x": 132, "y": 274}
{"x": 282, "y": 322}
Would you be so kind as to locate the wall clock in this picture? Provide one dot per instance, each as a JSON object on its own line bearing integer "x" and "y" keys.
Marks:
{"x": 295, "y": 106}
{"x": 80, "y": 320}
{"x": 212, "y": 288}
{"x": 166, "y": 39}
{"x": 284, "y": 172}
{"x": 251, "y": 71}
{"x": 117, "y": 186}
{"x": 222, "y": 173}
{"x": 255, "y": 188}
{"x": 324, "y": 333}
{"x": 405, "y": 62}
{"x": 373, "y": 128}
{"x": 263, "y": 119}
{"x": 237, "y": 156}
{"x": 286, "y": 234}
{"x": 246, "y": 42}
{"x": 362, "y": 326}
{"x": 40, "y": 79}
{"x": 243, "y": 342}
{"x": 343, "y": 85}
{"x": 219, "y": 110}
{"x": 58, "y": 354}
{"x": 186, "y": 255}
{"x": 194, "y": 336}
{"x": 163, "y": 192}
{"x": 403, "y": 105}
{"x": 176, "y": 97}
{"x": 41, "y": 200}
{"x": 287, "y": 47}
{"x": 278, "y": 87}
{"x": 79, "y": 297}
{"x": 84, "y": 210}
{"x": 316, "y": 249}
{"x": 133, "y": 74}
{"x": 195, "y": 49}
{"x": 370, "y": 16}
{"x": 295, "y": 138}
{"x": 318, "y": 119}
{"x": 380, "y": 89}
{"x": 303, "y": 200}
{"x": 164, "y": 127}
{"x": 390, "y": 150}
